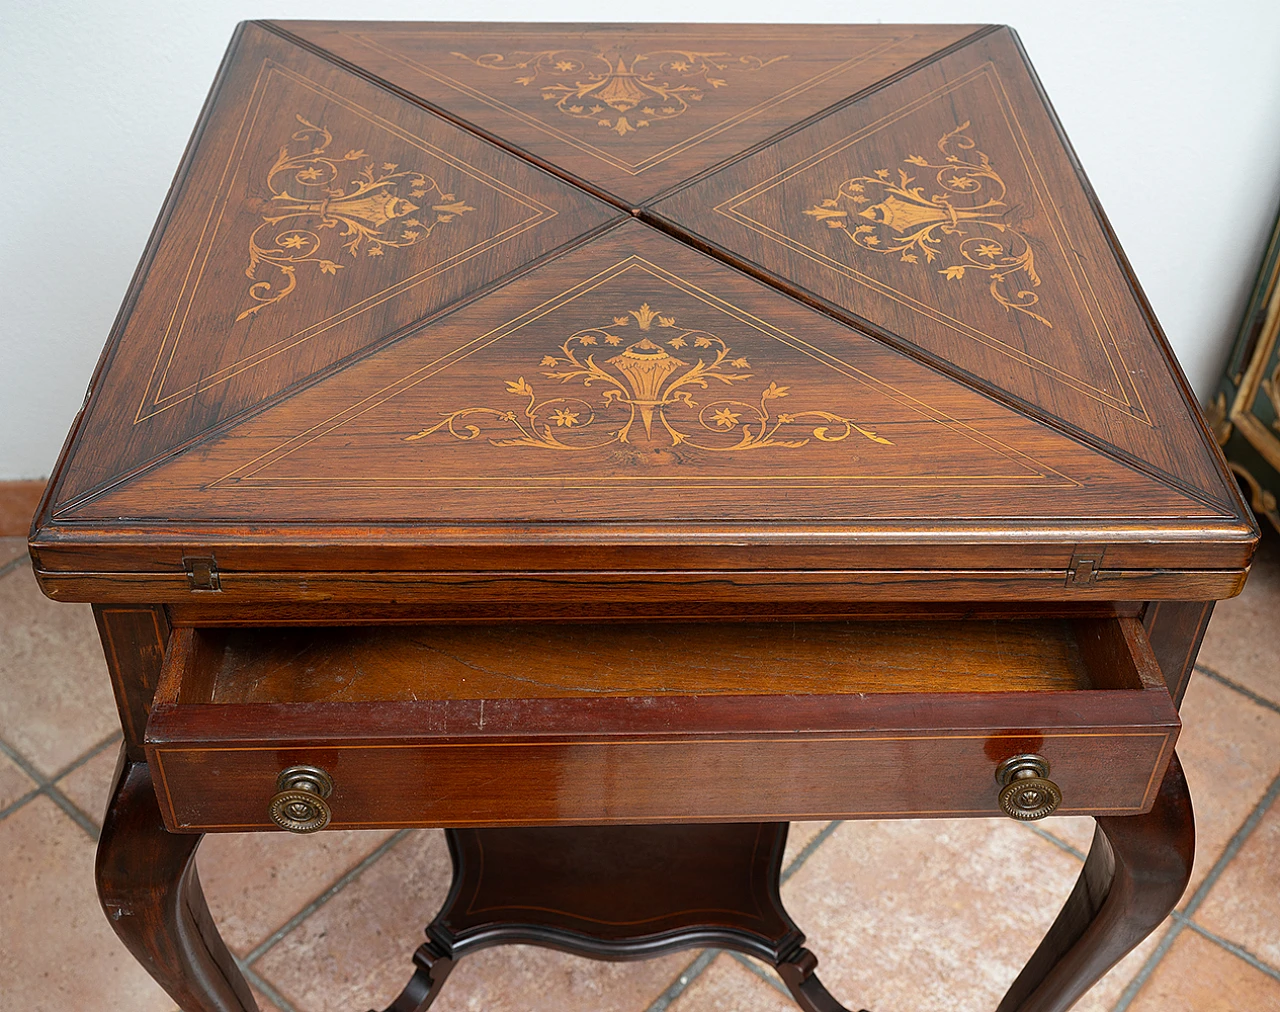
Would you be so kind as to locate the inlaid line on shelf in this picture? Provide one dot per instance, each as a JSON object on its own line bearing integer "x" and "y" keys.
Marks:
{"x": 704, "y": 959}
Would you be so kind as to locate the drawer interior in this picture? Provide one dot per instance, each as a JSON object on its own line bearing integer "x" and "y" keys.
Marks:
{"x": 573, "y": 723}
{"x": 557, "y": 661}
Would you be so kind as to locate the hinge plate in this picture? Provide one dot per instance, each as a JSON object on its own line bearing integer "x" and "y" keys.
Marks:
{"x": 202, "y": 573}
{"x": 1085, "y": 564}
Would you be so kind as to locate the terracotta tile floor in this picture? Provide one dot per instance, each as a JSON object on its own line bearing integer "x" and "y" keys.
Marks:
{"x": 905, "y": 916}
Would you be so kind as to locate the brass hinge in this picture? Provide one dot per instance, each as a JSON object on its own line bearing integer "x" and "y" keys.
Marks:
{"x": 1083, "y": 569}
{"x": 202, "y": 572}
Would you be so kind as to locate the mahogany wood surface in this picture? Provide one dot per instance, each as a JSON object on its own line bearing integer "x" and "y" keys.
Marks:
{"x": 1176, "y": 629}
{"x": 374, "y": 349}
{"x": 553, "y": 661}
{"x": 617, "y": 892}
{"x": 606, "y": 434}
{"x": 1137, "y": 870}
{"x": 664, "y": 892}
{"x": 150, "y": 892}
{"x": 530, "y": 724}
{"x": 258, "y": 247}
{"x": 627, "y": 111}
{"x": 134, "y": 641}
{"x": 944, "y": 213}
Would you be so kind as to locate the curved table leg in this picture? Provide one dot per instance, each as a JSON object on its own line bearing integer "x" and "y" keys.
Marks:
{"x": 805, "y": 987}
{"x": 431, "y": 969}
{"x": 1136, "y": 872}
{"x": 149, "y": 889}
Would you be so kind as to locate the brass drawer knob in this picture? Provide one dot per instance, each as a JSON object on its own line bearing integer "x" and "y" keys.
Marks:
{"x": 1026, "y": 792}
{"x": 299, "y": 804}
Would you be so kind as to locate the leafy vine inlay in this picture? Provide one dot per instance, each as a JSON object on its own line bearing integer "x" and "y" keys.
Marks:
{"x": 900, "y": 218}
{"x": 644, "y": 380}
{"x": 378, "y": 209}
{"x": 659, "y": 85}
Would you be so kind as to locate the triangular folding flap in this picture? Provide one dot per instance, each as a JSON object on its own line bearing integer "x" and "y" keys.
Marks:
{"x": 633, "y": 378}
{"x": 630, "y": 110}
{"x": 317, "y": 215}
{"x": 944, "y": 212}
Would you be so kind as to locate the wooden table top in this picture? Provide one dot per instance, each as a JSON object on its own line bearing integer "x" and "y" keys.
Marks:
{"x": 492, "y": 312}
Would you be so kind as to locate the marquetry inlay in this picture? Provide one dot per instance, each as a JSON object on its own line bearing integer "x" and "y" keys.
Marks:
{"x": 959, "y": 225}
{"x": 646, "y": 381}
{"x": 619, "y": 91}
{"x": 323, "y": 205}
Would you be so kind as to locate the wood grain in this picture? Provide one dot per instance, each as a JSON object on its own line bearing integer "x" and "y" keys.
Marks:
{"x": 549, "y": 661}
{"x": 256, "y": 249}
{"x": 1028, "y": 299}
{"x": 821, "y": 448}
{"x": 502, "y": 751}
{"x": 627, "y": 110}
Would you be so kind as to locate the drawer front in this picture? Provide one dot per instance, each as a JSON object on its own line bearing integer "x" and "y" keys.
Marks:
{"x": 1100, "y": 771}
{"x": 218, "y": 741}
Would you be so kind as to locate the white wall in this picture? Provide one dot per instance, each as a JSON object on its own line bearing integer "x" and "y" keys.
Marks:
{"x": 1174, "y": 109}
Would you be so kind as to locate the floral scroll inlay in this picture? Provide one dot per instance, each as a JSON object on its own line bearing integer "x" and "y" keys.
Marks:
{"x": 613, "y": 90}
{"x": 644, "y": 381}
{"x": 961, "y": 226}
{"x": 378, "y": 206}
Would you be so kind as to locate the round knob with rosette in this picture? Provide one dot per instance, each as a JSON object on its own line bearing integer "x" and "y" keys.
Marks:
{"x": 299, "y": 802}
{"x": 1026, "y": 792}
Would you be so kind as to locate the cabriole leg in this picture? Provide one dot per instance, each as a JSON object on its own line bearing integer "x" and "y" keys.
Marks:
{"x": 1136, "y": 872}
{"x": 149, "y": 889}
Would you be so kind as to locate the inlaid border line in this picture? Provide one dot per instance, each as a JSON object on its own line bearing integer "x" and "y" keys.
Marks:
{"x": 695, "y": 969}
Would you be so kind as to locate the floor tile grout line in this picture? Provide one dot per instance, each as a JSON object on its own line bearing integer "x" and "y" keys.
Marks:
{"x": 1184, "y": 916}
{"x": 13, "y": 564}
{"x": 68, "y": 806}
{"x": 349, "y": 876}
{"x": 29, "y": 768}
{"x": 1046, "y": 835}
{"x": 266, "y": 987}
{"x": 14, "y": 806}
{"x": 49, "y": 788}
{"x": 23, "y": 763}
{"x": 73, "y": 810}
{"x": 687, "y": 976}
{"x": 760, "y": 972}
{"x": 1230, "y": 946}
{"x": 809, "y": 849}
{"x": 1148, "y": 968}
{"x": 91, "y": 754}
{"x": 1248, "y": 693}
{"x": 1232, "y": 848}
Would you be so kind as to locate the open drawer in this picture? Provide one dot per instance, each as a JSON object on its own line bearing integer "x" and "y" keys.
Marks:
{"x": 539, "y": 724}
